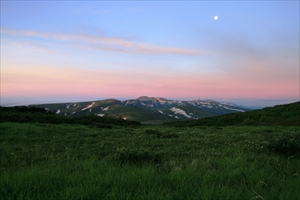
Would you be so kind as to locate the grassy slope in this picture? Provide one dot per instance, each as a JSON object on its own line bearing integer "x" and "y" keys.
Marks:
{"x": 48, "y": 161}
{"x": 25, "y": 114}
{"x": 286, "y": 115}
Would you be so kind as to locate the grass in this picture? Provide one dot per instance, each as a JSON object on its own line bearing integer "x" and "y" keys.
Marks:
{"x": 47, "y": 161}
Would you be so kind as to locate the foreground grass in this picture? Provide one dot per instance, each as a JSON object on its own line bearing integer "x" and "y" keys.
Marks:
{"x": 46, "y": 161}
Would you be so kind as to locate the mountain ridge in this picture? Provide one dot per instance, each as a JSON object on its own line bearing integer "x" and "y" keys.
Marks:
{"x": 144, "y": 109}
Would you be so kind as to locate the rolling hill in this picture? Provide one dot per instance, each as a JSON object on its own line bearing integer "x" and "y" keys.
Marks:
{"x": 286, "y": 115}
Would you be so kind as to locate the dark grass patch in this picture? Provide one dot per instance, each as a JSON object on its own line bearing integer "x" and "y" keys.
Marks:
{"x": 138, "y": 157}
{"x": 285, "y": 145}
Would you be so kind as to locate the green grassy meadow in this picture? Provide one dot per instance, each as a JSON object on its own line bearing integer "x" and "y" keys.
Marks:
{"x": 73, "y": 161}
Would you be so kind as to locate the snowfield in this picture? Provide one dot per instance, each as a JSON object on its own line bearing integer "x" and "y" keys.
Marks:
{"x": 89, "y": 106}
{"x": 147, "y": 105}
{"x": 106, "y": 108}
{"x": 208, "y": 106}
{"x": 233, "y": 109}
{"x": 179, "y": 111}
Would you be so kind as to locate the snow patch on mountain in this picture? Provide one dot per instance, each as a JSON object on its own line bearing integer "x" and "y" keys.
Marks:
{"x": 100, "y": 115}
{"x": 58, "y": 111}
{"x": 203, "y": 103}
{"x": 89, "y": 106}
{"x": 161, "y": 111}
{"x": 147, "y": 105}
{"x": 179, "y": 111}
{"x": 105, "y": 109}
{"x": 208, "y": 106}
{"x": 233, "y": 109}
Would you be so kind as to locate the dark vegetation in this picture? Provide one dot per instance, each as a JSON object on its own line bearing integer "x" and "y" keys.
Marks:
{"x": 24, "y": 114}
{"x": 48, "y": 156}
{"x": 280, "y": 115}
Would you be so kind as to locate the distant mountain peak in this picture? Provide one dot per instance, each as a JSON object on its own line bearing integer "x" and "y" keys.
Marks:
{"x": 145, "y": 108}
{"x": 146, "y": 98}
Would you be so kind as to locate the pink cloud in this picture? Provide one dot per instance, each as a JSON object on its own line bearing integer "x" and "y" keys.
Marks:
{"x": 105, "y": 43}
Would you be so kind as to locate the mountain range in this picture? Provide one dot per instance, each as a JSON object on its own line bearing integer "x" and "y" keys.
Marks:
{"x": 145, "y": 109}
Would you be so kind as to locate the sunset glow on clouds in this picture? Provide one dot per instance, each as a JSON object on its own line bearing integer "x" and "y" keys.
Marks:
{"x": 176, "y": 50}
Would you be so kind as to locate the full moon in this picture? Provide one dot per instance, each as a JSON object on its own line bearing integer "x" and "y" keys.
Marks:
{"x": 216, "y": 17}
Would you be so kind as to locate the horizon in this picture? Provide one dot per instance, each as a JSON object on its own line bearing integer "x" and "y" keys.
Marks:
{"x": 74, "y": 51}
{"x": 248, "y": 103}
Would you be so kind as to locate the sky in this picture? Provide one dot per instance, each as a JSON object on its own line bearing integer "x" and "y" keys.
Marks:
{"x": 55, "y": 51}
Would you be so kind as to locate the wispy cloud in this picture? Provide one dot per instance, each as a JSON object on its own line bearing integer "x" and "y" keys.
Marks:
{"x": 105, "y": 43}
{"x": 34, "y": 46}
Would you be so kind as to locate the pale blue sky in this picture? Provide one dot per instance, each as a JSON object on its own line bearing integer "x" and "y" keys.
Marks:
{"x": 173, "y": 49}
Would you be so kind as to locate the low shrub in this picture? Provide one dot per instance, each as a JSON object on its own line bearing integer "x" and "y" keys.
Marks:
{"x": 285, "y": 145}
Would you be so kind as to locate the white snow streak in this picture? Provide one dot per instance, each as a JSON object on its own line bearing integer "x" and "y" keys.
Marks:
{"x": 179, "y": 111}
{"x": 161, "y": 111}
{"x": 100, "y": 115}
{"x": 58, "y": 111}
{"x": 147, "y": 105}
{"x": 233, "y": 109}
{"x": 89, "y": 106}
{"x": 106, "y": 108}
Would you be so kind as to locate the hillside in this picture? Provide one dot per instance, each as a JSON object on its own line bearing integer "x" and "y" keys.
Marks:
{"x": 24, "y": 114}
{"x": 287, "y": 114}
{"x": 144, "y": 109}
